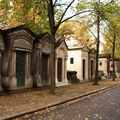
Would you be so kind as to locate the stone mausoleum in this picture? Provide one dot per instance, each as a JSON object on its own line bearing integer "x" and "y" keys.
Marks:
{"x": 16, "y": 58}
{"x": 43, "y": 60}
{"x": 61, "y": 62}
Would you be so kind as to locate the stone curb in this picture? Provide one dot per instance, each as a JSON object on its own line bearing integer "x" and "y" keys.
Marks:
{"x": 57, "y": 103}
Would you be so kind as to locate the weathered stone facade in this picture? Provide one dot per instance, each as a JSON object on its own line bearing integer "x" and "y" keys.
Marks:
{"x": 92, "y": 64}
{"x": 16, "y": 59}
{"x": 1, "y": 49}
{"x": 117, "y": 67}
{"x": 61, "y": 63}
{"x": 42, "y": 60}
{"x": 104, "y": 63}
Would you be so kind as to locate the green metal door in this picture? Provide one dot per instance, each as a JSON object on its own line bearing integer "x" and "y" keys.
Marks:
{"x": 45, "y": 68}
{"x": 20, "y": 68}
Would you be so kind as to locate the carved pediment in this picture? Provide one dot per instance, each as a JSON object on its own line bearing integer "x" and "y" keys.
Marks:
{"x": 92, "y": 51}
{"x": 63, "y": 45}
{"x": 22, "y": 44}
{"x": 46, "y": 46}
{"x": 46, "y": 43}
{"x": 46, "y": 36}
{"x": 22, "y": 39}
{"x": 85, "y": 48}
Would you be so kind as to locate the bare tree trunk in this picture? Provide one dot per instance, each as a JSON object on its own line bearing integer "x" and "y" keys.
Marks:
{"x": 52, "y": 86}
{"x": 53, "y": 31}
{"x": 97, "y": 56}
{"x": 54, "y": 27}
{"x": 113, "y": 58}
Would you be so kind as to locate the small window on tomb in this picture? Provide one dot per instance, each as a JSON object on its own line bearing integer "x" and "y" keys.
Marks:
{"x": 100, "y": 63}
{"x": 112, "y": 65}
{"x": 71, "y": 60}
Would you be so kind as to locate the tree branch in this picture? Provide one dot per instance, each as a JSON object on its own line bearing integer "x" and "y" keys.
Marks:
{"x": 87, "y": 28}
{"x": 54, "y": 2}
{"x": 65, "y": 11}
{"x": 59, "y": 23}
{"x": 106, "y": 36}
{"x": 75, "y": 15}
{"x": 61, "y": 4}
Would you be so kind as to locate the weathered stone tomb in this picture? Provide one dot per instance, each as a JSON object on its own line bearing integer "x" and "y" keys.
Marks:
{"x": 16, "y": 58}
{"x": 43, "y": 60}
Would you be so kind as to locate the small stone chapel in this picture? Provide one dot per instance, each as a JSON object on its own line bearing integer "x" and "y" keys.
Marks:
{"x": 61, "y": 62}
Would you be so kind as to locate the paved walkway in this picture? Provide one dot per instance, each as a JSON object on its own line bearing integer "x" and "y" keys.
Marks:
{"x": 103, "y": 106}
{"x": 11, "y": 105}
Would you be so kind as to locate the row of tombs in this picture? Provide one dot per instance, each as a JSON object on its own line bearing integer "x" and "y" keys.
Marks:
{"x": 26, "y": 60}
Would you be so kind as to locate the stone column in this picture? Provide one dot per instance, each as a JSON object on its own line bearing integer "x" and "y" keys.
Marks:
{"x": 94, "y": 66}
{"x": 56, "y": 67}
{"x": 38, "y": 71}
{"x": 87, "y": 67}
{"x": 63, "y": 70}
{"x": 0, "y": 72}
{"x": 12, "y": 71}
{"x": 37, "y": 67}
{"x": 49, "y": 69}
{"x": 28, "y": 76}
{"x": 66, "y": 69}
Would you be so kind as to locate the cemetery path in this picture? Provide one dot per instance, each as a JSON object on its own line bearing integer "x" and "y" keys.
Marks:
{"x": 103, "y": 106}
{"x": 13, "y": 105}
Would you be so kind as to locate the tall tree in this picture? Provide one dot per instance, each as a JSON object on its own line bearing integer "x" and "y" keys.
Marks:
{"x": 54, "y": 25}
{"x": 105, "y": 11}
{"x": 107, "y": 48}
{"x": 113, "y": 37}
{"x": 97, "y": 47}
{"x": 112, "y": 18}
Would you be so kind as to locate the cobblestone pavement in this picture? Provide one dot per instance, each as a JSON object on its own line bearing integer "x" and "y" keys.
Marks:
{"x": 13, "y": 104}
{"x": 103, "y": 106}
